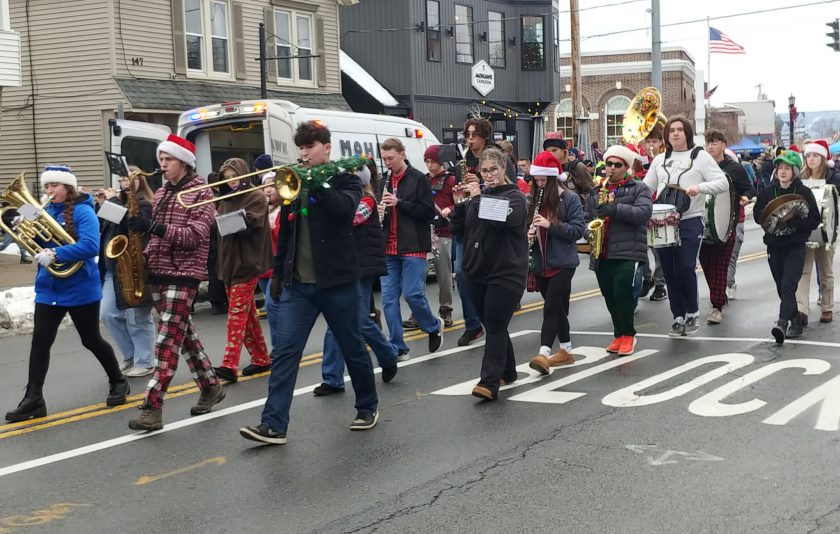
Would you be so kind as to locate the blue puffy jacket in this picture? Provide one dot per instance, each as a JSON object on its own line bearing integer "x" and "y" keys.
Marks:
{"x": 84, "y": 286}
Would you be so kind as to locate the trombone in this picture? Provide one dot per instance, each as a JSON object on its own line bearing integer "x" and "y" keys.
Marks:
{"x": 286, "y": 181}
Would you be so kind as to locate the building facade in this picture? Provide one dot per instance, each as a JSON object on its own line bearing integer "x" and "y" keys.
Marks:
{"x": 84, "y": 59}
{"x": 446, "y": 60}
{"x": 611, "y": 79}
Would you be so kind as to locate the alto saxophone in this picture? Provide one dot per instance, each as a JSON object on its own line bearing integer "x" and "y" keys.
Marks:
{"x": 128, "y": 252}
{"x": 595, "y": 236}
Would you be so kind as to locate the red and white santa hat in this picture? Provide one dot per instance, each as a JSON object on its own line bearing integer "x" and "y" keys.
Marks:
{"x": 178, "y": 147}
{"x": 546, "y": 164}
{"x": 819, "y": 147}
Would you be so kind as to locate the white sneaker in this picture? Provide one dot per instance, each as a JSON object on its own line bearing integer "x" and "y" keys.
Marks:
{"x": 135, "y": 372}
{"x": 714, "y": 316}
{"x": 404, "y": 357}
{"x": 125, "y": 365}
{"x": 730, "y": 292}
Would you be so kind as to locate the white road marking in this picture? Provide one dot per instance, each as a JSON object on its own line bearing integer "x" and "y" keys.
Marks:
{"x": 707, "y": 338}
{"x": 183, "y": 423}
{"x": 664, "y": 455}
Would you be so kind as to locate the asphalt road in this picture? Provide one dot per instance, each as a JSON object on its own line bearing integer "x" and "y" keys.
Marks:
{"x": 722, "y": 432}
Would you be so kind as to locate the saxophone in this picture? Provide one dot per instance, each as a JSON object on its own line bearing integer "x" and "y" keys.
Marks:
{"x": 595, "y": 236}
{"x": 128, "y": 251}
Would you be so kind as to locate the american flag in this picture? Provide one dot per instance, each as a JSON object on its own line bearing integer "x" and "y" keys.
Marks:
{"x": 721, "y": 43}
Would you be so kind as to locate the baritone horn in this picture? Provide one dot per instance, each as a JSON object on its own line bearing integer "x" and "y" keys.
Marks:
{"x": 28, "y": 234}
{"x": 286, "y": 181}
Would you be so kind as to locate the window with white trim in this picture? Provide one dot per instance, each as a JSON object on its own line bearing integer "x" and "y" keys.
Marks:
{"x": 614, "y": 113}
{"x": 207, "y": 30}
{"x": 563, "y": 120}
{"x": 463, "y": 34}
{"x": 496, "y": 25}
{"x": 293, "y": 47}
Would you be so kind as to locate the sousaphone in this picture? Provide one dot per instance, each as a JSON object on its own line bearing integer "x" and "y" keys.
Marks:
{"x": 642, "y": 115}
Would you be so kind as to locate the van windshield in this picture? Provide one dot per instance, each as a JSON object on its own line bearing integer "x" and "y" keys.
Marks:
{"x": 243, "y": 139}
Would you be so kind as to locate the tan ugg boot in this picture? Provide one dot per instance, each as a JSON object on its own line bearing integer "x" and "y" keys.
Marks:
{"x": 561, "y": 357}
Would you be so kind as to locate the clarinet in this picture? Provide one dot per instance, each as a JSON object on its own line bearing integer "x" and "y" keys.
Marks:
{"x": 537, "y": 204}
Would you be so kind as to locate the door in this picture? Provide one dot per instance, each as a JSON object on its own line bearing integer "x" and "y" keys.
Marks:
{"x": 279, "y": 139}
{"x": 138, "y": 142}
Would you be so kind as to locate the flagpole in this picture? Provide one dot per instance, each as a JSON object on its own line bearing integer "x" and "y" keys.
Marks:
{"x": 709, "y": 56}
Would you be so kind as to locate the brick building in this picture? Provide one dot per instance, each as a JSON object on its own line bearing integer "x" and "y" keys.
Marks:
{"x": 610, "y": 79}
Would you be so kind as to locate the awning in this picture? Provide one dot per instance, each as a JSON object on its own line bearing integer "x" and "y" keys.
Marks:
{"x": 366, "y": 81}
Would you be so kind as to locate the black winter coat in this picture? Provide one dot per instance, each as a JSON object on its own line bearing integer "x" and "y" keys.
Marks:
{"x": 740, "y": 180}
{"x": 627, "y": 233}
{"x": 803, "y": 227}
{"x": 330, "y": 232}
{"x": 108, "y": 231}
{"x": 415, "y": 211}
{"x": 495, "y": 252}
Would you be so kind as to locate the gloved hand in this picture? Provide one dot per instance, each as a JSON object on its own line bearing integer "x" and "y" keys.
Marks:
{"x": 145, "y": 226}
{"x": 45, "y": 257}
{"x": 276, "y": 287}
{"x": 607, "y": 210}
{"x": 17, "y": 220}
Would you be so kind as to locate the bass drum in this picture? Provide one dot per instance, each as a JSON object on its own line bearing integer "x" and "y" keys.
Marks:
{"x": 825, "y": 235}
{"x": 721, "y": 216}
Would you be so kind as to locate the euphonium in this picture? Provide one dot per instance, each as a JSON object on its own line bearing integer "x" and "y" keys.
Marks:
{"x": 128, "y": 251}
{"x": 595, "y": 236}
{"x": 29, "y": 234}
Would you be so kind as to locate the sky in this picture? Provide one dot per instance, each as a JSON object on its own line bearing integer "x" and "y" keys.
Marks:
{"x": 781, "y": 46}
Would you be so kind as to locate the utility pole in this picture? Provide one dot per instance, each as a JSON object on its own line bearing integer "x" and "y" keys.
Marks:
{"x": 263, "y": 77}
{"x": 577, "y": 93}
{"x": 656, "y": 45}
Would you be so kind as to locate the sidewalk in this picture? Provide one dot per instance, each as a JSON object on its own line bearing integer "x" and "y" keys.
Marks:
{"x": 12, "y": 272}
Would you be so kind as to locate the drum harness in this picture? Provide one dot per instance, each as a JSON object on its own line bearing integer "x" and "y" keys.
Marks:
{"x": 676, "y": 187}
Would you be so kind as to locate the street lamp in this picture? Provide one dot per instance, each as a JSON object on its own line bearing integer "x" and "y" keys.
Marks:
{"x": 792, "y": 111}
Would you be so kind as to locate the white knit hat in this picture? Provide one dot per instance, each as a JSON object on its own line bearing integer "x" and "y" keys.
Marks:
{"x": 621, "y": 152}
{"x": 58, "y": 174}
{"x": 178, "y": 147}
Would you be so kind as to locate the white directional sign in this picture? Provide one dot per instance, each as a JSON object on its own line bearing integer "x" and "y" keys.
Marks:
{"x": 483, "y": 78}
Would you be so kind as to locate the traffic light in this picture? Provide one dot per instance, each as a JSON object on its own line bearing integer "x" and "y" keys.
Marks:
{"x": 834, "y": 35}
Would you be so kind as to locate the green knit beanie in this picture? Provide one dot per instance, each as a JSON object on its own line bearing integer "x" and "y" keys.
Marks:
{"x": 790, "y": 157}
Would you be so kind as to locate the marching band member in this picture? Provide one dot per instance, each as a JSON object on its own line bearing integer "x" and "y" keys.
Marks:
{"x": 557, "y": 224}
{"x": 370, "y": 246}
{"x": 683, "y": 176}
{"x": 176, "y": 258}
{"x": 78, "y": 294}
{"x": 316, "y": 271}
{"x": 819, "y": 170}
{"x": 654, "y": 144}
{"x": 624, "y": 205}
{"x": 495, "y": 277}
{"x": 409, "y": 208}
{"x": 243, "y": 257}
{"x": 274, "y": 205}
{"x": 131, "y": 327}
{"x": 786, "y": 248}
{"x": 714, "y": 257}
{"x": 442, "y": 182}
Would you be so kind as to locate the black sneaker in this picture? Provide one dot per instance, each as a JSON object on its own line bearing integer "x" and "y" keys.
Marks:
{"x": 365, "y": 420}
{"x": 255, "y": 369}
{"x": 778, "y": 331}
{"x": 796, "y": 327}
{"x": 388, "y": 373}
{"x": 436, "y": 338}
{"x": 228, "y": 375}
{"x": 803, "y": 318}
{"x": 326, "y": 389}
{"x": 118, "y": 393}
{"x": 659, "y": 293}
{"x": 410, "y": 324}
{"x": 677, "y": 329}
{"x": 263, "y": 434}
{"x": 691, "y": 326}
{"x": 647, "y": 285}
{"x": 469, "y": 336}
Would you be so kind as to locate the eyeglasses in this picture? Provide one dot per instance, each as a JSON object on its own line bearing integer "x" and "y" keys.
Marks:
{"x": 472, "y": 134}
{"x": 492, "y": 170}
{"x": 616, "y": 164}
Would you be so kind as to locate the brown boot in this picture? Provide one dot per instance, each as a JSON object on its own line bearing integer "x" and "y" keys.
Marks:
{"x": 209, "y": 398}
{"x": 561, "y": 357}
{"x": 826, "y": 317}
{"x": 540, "y": 364}
{"x": 150, "y": 419}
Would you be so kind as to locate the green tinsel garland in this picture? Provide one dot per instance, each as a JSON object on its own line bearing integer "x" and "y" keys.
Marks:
{"x": 312, "y": 178}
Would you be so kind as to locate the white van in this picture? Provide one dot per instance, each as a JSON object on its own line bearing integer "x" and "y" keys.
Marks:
{"x": 249, "y": 128}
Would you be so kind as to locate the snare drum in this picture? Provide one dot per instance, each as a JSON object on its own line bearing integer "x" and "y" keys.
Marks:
{"x": 721, "y": 216}
{"x": 826, "y": 233}
{"x": 664, "y": 226}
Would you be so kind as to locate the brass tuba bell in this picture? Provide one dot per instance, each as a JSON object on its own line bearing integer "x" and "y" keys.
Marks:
{"x": 642, "y": 115}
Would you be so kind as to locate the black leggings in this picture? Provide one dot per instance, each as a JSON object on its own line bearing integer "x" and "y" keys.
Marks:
{"x": 86, "y": 320}
{"x": 556, "y": 292}
{"x": 495, "y": 305}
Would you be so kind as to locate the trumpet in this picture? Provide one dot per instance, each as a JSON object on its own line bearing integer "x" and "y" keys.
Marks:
{"x": 286, "y": 181}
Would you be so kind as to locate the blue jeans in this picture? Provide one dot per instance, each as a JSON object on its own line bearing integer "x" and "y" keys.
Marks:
{"x": 300, "y": 306}
{"x": 679, "y": 265}
{"x": 406, "y": 276}
{"x": 272, "y": 307}
{"x": 332, "y": 365}
{"x": 133, "y": 329}
{"x": 471, "y": 320}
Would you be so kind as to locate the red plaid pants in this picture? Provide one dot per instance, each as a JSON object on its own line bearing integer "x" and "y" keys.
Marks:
{"x": 714, "y": 258}
{"x": 243, "y": 326}
{"x": 176, "y": 333}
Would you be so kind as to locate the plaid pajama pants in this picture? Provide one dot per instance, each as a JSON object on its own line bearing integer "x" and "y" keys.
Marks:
{"x": 243, "y": 326}
{"x": 714, "y": 258}
{"x": 175, "y": 334}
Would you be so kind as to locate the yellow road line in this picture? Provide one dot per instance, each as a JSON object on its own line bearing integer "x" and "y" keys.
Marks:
{"x": 95, "y": 410}
{"x": 148, "y": 479}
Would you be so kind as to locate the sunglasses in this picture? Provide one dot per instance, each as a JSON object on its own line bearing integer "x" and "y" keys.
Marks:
{"x": 472, "y": 134}
{"x": 616, "y": 164}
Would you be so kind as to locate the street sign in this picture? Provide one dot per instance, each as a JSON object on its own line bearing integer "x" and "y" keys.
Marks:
{"x": 483, "y": 78}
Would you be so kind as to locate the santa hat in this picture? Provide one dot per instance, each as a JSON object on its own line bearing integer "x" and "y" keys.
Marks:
{"x": 819, "y": 147}
{"x": 621, "y": 152}
{"x": 638, "y": 155}
{"x": 545, "y": 164}
{"x": 179, "y": 148}
{"x": 58, "y": 174}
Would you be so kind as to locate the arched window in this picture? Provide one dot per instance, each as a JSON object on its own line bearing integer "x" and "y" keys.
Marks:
{"x": 563, "y": 119}
{"x": 616, "y": 106}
